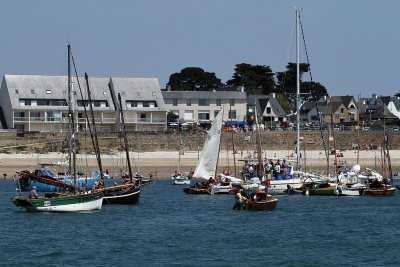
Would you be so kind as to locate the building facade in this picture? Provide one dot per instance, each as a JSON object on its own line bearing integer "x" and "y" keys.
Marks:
{"x": 40, "y": 103}
{"x": 199, "y": 106}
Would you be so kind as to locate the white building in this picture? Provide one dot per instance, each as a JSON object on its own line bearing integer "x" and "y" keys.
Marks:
{"x": 39, "y": 103}
{"x": 198, "y": 106}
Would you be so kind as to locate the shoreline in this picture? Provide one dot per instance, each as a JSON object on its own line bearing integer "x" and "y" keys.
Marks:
{"x": 164, "y": 163}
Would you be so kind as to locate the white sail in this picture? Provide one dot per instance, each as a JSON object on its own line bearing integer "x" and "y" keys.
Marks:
{"x": 207, "y": 163}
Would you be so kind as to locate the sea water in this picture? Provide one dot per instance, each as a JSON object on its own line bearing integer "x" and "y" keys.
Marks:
{"x": 171, "y": 228}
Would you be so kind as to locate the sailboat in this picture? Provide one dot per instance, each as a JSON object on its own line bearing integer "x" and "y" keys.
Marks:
{"x": 129, "y": 191}
{"x": 68, "y": 202}
{"x": 279, "y": 184}
{"x": 383, "y": 186}
{"x": 207, "y": 164}
{"x": 177, "y": 177}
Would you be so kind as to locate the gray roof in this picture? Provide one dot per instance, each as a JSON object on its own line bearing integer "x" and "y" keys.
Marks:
{"x": 21, "y": 86}
{"x": 204, "y": 95}
{"x": 262, "y": 101}
{"x": 146, "y": 89}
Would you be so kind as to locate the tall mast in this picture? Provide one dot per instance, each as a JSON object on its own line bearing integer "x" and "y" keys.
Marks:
{"x": 94, "y": 137}
{"x": 125, "y": 138}
{"x": 71, "y": 114}
{"x": 358, "y": 130}
{"x": 219, "y": 147}
{"x": 233, "y": 142}
{"x": 298, "y": 84}
{"x": 259, "y": 151}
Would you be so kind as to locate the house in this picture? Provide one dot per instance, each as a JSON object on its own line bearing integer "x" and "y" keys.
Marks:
{"x": 268, "y": 108}
{"x": 203, "y": 106}
{"x": 339, "y": 109}
{"x": 379, "y": 108}
{"x": 40, "y": 103}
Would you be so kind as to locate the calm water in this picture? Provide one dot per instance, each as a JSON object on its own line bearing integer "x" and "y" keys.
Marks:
{"x": 169, "y": 227}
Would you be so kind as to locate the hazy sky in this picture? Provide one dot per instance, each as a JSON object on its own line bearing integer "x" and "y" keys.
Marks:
{"x": 353, "y": 45}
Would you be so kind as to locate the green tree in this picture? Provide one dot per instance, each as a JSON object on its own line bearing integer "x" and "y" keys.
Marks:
{"x": 193, "y": 79}
{"x": 256, "y": 79}
{"x": 283, "y": 101}
{"x": 171, "y": 116}
{"x": 315, "y": 89}
{"x": 286, "y": 81}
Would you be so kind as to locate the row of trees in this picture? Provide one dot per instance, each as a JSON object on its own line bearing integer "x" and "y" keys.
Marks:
{"x": 257, "y": 79}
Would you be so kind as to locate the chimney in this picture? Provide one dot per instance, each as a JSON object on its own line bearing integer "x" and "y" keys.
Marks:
{"x": 169, "y": 88}
{"x": 273, "y": 95}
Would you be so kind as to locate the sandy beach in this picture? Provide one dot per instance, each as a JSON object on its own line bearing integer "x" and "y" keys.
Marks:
{"x": 163, "y": 163}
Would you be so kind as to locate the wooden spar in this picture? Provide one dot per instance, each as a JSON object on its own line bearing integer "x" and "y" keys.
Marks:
{"x": 125, "y": 138}
{"x": 93, "y": 134}
{"x": 233, "y": 142}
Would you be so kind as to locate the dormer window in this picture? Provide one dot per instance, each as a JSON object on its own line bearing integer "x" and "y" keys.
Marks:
{"x": 32, "y": 91}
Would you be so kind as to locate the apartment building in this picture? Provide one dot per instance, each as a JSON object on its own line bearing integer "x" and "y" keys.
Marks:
{"x": 199, "y": 106}
{"x": 40, "y": 103}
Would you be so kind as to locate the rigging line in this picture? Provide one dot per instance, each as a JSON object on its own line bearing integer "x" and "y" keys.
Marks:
{"x": 305, "y": 47}
{"x": 289, "y": 53}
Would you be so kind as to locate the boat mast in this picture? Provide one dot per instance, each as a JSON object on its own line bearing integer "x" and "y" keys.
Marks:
{"x": 233, "y": 142}
{"x": 259, "y": 152}
{"x": 94, "y": 137}
{"x": 298, "y": 85}
{"x": 125, "y": 138}
{"x": 219, "y": 147}
{"x": 71, "y": 114}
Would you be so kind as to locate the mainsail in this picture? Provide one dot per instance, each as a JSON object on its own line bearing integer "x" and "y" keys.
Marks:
{"x": 207, "y": 164}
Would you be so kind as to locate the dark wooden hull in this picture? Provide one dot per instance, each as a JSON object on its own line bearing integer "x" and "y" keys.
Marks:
{"x": 196, "y": 191}
{"x": 118, "y": 195}
{"x": 384, "y": 192}
{"x": 267, "y": 204}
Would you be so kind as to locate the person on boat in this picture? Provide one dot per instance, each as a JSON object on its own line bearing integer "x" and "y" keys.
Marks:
{"x": 239, "y": 200}
{"x": 33, "y": 193}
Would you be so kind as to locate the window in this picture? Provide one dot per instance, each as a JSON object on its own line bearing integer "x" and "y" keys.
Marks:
{"x": 146, "y": 104}
{"x": 232, "y": 102}
{"x": 32, "y": 91}
{"x": 204, "y": 115}
{"x": 33, "y": 103}
{"x": 175, "y": 101}
{"x": 48, "y": 92}
{"x": 188, "y": 115}
{"x": 188, "y": 102}
{"x": 218, "y": 102}
{"x": 342, "y": 110}
{"x": 232, "y": 114}
{"x": 204, "y": 102}
{"x": 35, "y": 116}
{"x": 268, "y": 110}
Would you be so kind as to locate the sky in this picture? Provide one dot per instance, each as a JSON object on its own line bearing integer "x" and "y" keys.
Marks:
{"x": 352, "y": 45}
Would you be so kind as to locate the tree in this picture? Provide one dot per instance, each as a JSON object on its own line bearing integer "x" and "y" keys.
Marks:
{"x": 193, "y": 79}
{"x": 171, "y": 116}
{"x": 315, "y": 89}
{"x": 283, "y": 101}
{"x": 287, "y": 82}
{"x": 256, "y": 79}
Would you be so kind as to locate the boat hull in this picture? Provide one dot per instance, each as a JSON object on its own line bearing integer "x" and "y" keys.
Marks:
{"x": 379, "y": 192}
{"x": 329, "y": 191}
{"x": 180, "y": 180}
{"x": 278, "y": 187}
{"x": 220, "y": 189}
{"x": 268, "y": 204}
{"x": 61, "y": 203}
{"x": 195, "y": 191}
{"x": 118, "y": 195}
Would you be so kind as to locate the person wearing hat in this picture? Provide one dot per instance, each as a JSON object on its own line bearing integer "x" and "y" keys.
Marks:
{"x": 33, "y": 193}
